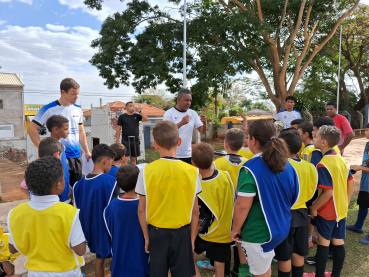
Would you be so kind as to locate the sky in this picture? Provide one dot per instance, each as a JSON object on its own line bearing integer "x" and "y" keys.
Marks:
{"x": 46, "y": 41}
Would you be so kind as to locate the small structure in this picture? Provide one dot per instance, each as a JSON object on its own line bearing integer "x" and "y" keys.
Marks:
{"x": 30, "y": 112}
{"x": 260, "y": 112}
{"x": 12, "y": 118}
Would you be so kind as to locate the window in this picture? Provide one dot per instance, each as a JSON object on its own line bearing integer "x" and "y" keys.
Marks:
{"x": 1, "y": 103}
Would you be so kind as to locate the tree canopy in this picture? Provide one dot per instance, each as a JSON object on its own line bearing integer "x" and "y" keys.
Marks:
{"x": 275, "y": 38}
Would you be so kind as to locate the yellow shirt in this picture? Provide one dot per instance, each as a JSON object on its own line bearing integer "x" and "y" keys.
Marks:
{"x": 233, "y": 169}
{"x": 246, "y": 153}
{"x": 308, "y": 181}
{"x": 306, "y": 153}
{"x": 218, "y": 195}
{"x": 301, "y": 149}
{"x": 338, "y": 170}
{"x": 4, "y": 248}
{"x": 170, "y": 190}
{"x": 43, "y": 236}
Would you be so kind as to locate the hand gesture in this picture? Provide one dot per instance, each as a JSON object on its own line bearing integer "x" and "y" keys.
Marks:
{"x": 88, "y": 155}
{"x": 244, "y": 119}
{"x": 185, "y": 120}
{"x": 236, "y": 235}
{"x": 203, "y": 118}
{"x": 355, "y": 167}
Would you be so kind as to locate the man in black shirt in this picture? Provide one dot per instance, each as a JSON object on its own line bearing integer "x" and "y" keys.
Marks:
{"x": 128, "y": 125}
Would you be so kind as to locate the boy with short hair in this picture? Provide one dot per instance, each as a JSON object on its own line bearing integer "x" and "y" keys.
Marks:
{"x": 168, "y": 190}
{"x": 295, "y": 246}
{"x": 305, "y": 129}
{"x": 120, "y": 159}
{"x": 232, "y": 162}
{"x": 92, "y": 194}
{"x": 216, "y": 209}
{"x": 127, "y": 241}
{"x": 45, "y": 230}
{"x": 363, "y": 197}
{"x": 329, "y": 211}
{"x": 245, "y": 151}
{"x": 295, "y": 124}
{"x": 51, "y": 146}
{"x": 289, "y": 114}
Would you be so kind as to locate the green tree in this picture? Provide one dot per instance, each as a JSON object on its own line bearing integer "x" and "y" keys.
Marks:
{"x": 234, "y": 111}
{"x": 156, "y": 98}
{"x": 276, "y": 38}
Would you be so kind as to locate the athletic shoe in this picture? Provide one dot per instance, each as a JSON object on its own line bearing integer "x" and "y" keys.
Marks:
{"x": 310, "y": 244}
{"x": 274, "y": 261}
{"x": 234, "y": 273}
{"x": 308, "y": 275}
{"x": 205, "y": 265}
{"x": 315, "y": 239}
{"x": 327, "y": 274}
{"x": 354, "y": 229}
{"x": 310, "y": 260}
{"x": 365, "y": 240}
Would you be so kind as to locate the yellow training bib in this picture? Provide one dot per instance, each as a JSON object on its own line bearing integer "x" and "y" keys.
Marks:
{"x": 233, "y": 169}
{"x": 246, "y": 154}
{"x": 170, "y": 192}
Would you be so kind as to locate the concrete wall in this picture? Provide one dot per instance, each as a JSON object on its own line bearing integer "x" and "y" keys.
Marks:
{"x": 14, "y": 149}
{"x": 13, "y": 111}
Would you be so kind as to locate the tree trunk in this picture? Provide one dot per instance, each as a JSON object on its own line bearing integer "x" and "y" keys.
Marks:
{"x": 216, "y": 104}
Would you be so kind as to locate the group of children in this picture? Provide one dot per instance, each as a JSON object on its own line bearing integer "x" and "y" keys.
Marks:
{"x": 254, "y": 200}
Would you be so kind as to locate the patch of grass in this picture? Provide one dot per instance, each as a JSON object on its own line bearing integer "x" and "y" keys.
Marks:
{"x": 1, "y": 200}
{"x": 150, "y": 155}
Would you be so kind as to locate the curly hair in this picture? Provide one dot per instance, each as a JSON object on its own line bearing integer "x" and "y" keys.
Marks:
{"x": 49, "y": 146}
{"x": 101, "y": 151}
{"x": 127, "y": 177}
{"x": 56, "y": 121}
{"x": 42, "y": 175}
{"x": 331, "y": 134}
{"x": 68, "y": 83}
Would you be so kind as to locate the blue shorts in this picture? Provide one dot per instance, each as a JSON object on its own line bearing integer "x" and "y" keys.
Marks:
{"x": 329, "y": 229}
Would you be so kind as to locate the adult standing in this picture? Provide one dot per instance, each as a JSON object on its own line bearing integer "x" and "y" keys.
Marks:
{"x": 65, "y": 106}
{"x": 289, "y": 114}
{"x": 185, "y": 119}
{"x": 342, "y": 124}
{"x": 128, "y": 126}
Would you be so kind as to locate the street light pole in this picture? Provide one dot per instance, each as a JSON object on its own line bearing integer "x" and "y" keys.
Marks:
{"x": 339, "y": 69}
{"x": 184, "y": 44}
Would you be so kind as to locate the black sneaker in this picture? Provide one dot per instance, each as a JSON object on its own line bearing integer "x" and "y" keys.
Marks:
{"x": 310, "y": 260}
{"x": 234, "y": 273}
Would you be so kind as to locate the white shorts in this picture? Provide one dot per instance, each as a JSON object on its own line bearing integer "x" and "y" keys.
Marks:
{"x": 259, "y": 261}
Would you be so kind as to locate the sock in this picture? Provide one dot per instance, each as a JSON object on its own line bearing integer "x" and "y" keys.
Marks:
{"x": 227, "y": 265}
{"x": 244, "y": 271}
{"x": 321, "y": 259}
{"x": 236, "y": 260}
{"x": 339, "y": 254}
{"x": 297, "y": 271}
{"x": 310, "y": 239}
{"x": 283, "y": 274}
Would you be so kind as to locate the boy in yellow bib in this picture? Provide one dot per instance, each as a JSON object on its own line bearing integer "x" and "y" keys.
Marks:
{"x": 245, "y": 151}
{"x": 294, "y": 248}
{"x": 6, "y": 259}
{"x": 329, "y": 211}
{"x": 306, "y": 132}
{"x": 168, "y": 190}
{"x": 232, "y": 162}
{"x": 216, "y": 209}
{"x": 295, "y": 124}
{"x": 45, "y": 230}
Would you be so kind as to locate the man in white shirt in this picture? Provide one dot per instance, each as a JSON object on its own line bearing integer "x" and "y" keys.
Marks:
{"x": 185, "y": 119}
{"x": 289, "y": 114}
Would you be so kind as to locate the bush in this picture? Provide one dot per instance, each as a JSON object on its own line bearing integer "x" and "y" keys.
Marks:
{"x": 234, "y": 111}
{"x": 221, "y": 115}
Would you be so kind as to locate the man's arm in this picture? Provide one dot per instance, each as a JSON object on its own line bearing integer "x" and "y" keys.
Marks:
{"x": 117, "y": 133}
{"x": 32, "y": 131}
{"x": 202, "y": 129}
{"x": 144, "y": 117}
{"x": 143, "y": 223}
{"x": 83, "y": 141}
{"x": 347, "y": 141}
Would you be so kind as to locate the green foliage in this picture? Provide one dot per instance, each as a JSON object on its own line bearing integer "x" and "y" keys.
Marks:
{"x": 234, "y": 111}
{"x": 224, "y": 40}
{"x": 221, "y": 115}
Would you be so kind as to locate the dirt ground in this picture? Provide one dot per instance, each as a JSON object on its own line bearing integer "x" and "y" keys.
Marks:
{"x": 11, "y": 176}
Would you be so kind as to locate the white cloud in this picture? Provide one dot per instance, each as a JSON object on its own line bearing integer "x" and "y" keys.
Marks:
{"x": 44, "y": 57}
{"x": 2, "y": 22}
{"x": 23, "y": 1}
{"x": 57, "y": 28}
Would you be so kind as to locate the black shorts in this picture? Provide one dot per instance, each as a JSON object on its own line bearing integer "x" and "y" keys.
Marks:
{"x": 297, "y": 242}
{"x": 363, "y": 199}
{"x": 133, "y": 147}
{"x": 171, "y": 249}
{"x": 75, "y": 170}
{"x": 311, "y": 201}
{"x": 186, "y": 160}
{"x": 219, "y": 252}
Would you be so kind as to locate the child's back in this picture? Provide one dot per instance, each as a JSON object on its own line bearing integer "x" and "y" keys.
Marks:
{"x": 170, "y": 186}
{"x": 232, "y": 164}
{"x": 128, "y": 245}
{"x": 91, "y": 195}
